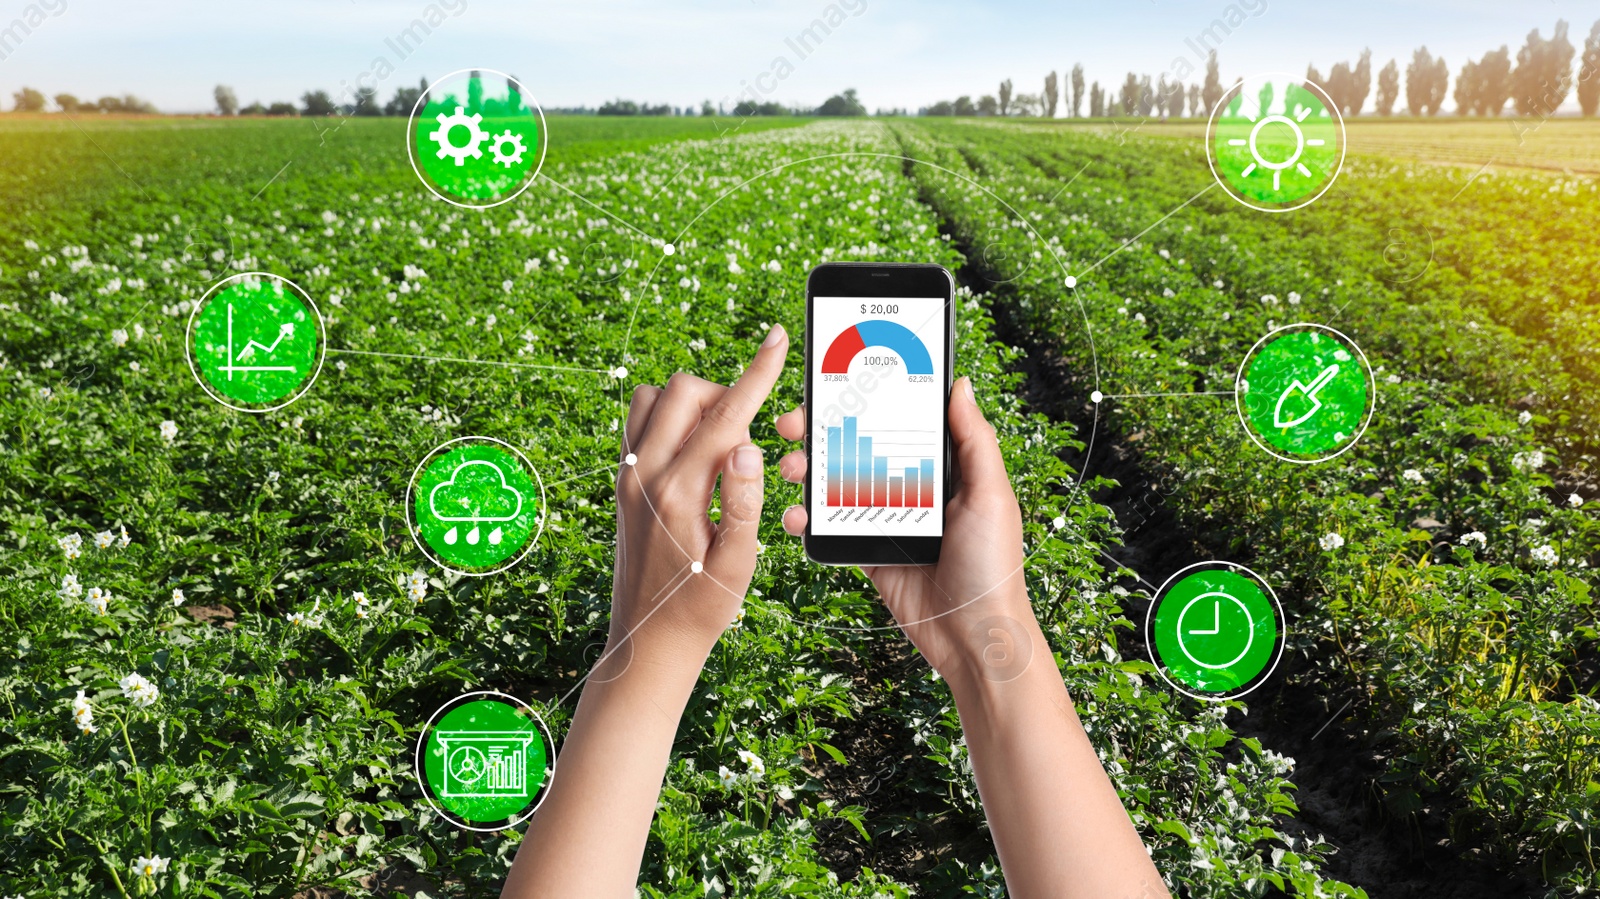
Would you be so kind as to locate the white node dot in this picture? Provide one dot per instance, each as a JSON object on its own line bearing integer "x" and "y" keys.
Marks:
{"x": 1071, "y": 281}
{"x": 1059, "y": 523}
{"x": 696, "y": 567}
{"x": 630, "y": 459}
{"x": 619, "y": 372}
{"x": 1096, "y": 397}
{"x": 668, "y": 248}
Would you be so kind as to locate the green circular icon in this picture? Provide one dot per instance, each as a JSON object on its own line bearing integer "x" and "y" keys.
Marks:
{"x": 1275, "y": 142}
{"x": 476, "y": 138}
{"x": 483, "y": 761}
{"x": 476, "y": 505}
{"x": 1305, "y": 393}
{"x": 1215, "y": 631}
{"x": 255, "y": 342}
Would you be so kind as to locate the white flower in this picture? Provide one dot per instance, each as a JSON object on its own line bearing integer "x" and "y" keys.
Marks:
{"x": 1474, "y": 537}
{"x": 83, "y": 714}
{"x": 773, "y": 266}
{"x": 272, "y": 477}
{"x": 1330, "y": 542}
{"x": 70, "y": 588}
{"x": 728, "y": 779}
{"x": 119, "y": 337}
{"x": 169, "y": 431}
{"x": 1294, "y": 298}
{"x": 785, "y": 793}
{"x": 124, "y": 540}
{"x": 738, "y": 619}
{"x": 1393, "y": 379}
{"x": 359, "y": 598}
{"x": 1414, "y": 476}
{"x": 177, "y": 597}
{"x": 142, "y": 692}
{"x": 758, "y": 768}
{"x": 1524, "y": 417}
{"x": 98, "y": 600}
{"x": 298, "y": 619}
{"x": 1574, "y": 500}
{"x": 1545, "y": 555}
{"x": 1275, "y": 763}
{"x": 149, "y": 867}
{"x": 1529, "y": 461}
{"x": 71, "y": 545}
{"x": 104, "y": 539}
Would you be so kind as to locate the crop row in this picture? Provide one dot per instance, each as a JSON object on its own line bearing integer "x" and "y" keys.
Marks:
{"x": 1435, "y": 576}
{"x": 264, "y": 754}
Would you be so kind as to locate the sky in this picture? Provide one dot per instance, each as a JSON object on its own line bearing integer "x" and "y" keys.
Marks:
{"x": 896, "y": 53}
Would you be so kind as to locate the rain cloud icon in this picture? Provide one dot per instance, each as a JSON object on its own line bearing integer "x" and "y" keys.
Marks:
{"x": 470, "y": 497}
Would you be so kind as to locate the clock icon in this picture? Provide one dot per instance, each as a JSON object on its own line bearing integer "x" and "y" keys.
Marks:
{"x": 1215, "y": 631}
{"x": 1206, "y": 639}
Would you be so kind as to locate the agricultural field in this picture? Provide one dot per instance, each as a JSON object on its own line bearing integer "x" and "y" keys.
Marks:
{"x": 1437, "y": 579}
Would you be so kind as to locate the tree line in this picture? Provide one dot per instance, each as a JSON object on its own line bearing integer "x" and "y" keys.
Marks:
{"x": 1536, "y": 82}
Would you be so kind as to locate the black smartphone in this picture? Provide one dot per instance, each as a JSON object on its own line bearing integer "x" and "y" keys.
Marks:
{"x": 879, "y": 340}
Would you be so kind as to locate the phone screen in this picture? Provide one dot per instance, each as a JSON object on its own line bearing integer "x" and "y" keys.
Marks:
{"x": 877, "y": 432}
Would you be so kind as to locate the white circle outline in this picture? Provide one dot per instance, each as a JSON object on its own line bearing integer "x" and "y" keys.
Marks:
{"x": 322, "y": 341}
{"x": 1259, "y": 679}
{"x": 411, "y": 524}
{"x": 1211, "y": 123}
{"x": 1249, "y": 638}
{"x": 1372, "y": 394}
{"x": 411, "y": 129}
{"x": 549, "y": 743}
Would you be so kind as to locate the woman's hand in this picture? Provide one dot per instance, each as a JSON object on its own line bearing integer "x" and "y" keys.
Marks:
{"x": 680, "y": 578}
{"x": 968, "y": 614}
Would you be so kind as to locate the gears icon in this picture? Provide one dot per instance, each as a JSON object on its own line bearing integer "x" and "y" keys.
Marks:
{"x": 475, "y": 136}
{"x": 507, "y": 159}
{"x": 458, "y": 120}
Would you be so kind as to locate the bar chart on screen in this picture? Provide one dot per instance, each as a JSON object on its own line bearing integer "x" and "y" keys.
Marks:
{"x": 884, "y": 469}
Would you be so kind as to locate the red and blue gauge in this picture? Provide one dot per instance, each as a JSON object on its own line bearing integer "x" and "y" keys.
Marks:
{"x": 894, "y": 337}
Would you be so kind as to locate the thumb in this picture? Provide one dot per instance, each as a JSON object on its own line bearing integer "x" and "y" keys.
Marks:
{"x": 732, "y": 558}
{"x": 977, "y": 449}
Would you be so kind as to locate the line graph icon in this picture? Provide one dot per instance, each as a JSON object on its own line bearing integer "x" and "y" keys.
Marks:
{"x": 255, "y": 342}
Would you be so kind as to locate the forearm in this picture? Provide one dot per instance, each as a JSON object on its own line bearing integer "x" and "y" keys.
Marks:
{"x": 588, "y": 837}
{"x": 1058, "y": 825}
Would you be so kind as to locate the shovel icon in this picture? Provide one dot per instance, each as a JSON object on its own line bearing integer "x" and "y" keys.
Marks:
{"x": 1301, "y": 396}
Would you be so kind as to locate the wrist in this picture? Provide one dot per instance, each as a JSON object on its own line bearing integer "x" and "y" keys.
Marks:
{"x": 1007, "y": 655}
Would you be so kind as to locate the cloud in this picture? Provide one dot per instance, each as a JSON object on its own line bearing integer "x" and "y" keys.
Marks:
{"x": 478, "y": 488}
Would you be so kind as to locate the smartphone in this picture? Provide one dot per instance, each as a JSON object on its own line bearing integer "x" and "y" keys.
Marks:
{"x": 879, "y": 342}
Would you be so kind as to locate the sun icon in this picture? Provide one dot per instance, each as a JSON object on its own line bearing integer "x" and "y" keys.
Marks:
{"x": 1278, "y": 124}
{"x": 1300, "y": 144}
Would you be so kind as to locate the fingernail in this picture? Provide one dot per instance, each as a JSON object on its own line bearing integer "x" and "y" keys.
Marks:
{"x": 971, "y": 394}
{"x": 747, "y": 461}
{"x": 773, "y": 336}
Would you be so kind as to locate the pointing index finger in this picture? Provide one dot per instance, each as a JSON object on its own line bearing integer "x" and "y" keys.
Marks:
{"x": 728, "y": 421}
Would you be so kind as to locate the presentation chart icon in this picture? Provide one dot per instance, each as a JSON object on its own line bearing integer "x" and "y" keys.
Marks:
{"x": 476, "y": 138}
{"x": 484, "y": 760}
{"x": 475, "y": 505}
{"x": 1275, "y": 142}
{"x": 255, "y": 342}
{"x": 1305, "y": 393}
{"x": 1215, "y": 631}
